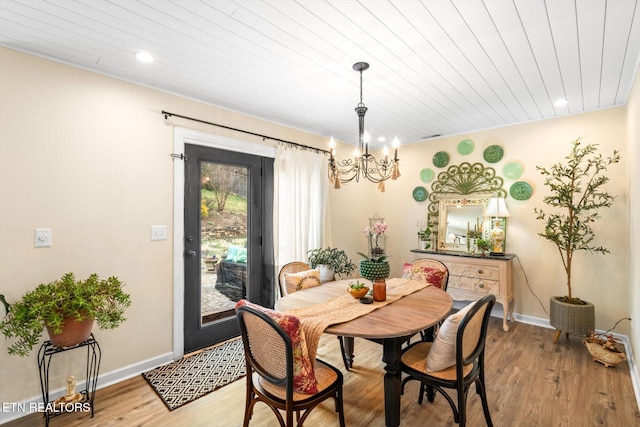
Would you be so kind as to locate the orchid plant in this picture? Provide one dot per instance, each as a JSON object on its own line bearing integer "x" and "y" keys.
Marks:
{"x": 374, "y": 232}
{"x": 377, "y": 229}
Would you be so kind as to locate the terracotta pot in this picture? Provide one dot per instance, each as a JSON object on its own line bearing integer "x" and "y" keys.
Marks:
{"x": 73, "y": 332}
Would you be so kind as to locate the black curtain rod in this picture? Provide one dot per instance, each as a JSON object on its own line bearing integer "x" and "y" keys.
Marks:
{"x": 319, "y": 150}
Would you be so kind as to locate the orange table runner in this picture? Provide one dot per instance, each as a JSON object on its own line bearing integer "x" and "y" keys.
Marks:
{"x": 316, "y": 318}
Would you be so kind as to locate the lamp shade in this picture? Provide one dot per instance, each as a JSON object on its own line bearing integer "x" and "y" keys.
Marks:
{"x": 497, "y": 208}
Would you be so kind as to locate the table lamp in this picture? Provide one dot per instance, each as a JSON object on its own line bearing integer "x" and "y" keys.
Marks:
{"x": 498, "y": 212}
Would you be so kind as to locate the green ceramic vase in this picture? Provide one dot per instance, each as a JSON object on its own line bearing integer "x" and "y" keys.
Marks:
{"x": 374, "y": 270}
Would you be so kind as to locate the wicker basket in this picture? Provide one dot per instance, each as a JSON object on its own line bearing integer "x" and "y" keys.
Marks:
{"x": 579, "y": 319}
{"x": 602, "y": 355}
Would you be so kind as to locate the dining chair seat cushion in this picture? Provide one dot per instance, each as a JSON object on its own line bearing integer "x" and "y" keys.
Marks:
{"x": 302, "y": 280}
{"x": 325, "y": 378}
{"x": 433, "y": 276}
{"x": 304, "y": 378}
{"x": 443, "y": 352}
{"x": 415, "y": 356}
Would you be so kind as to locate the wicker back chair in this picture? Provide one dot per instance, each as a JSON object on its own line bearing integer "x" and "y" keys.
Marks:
{"x": 269, "y": 361}
{"x": 469, "y": 363}
{"x": 434, "y": 263}
{"x": 429, "y": 334}
{"x": 297, "y": 267}
{"x": 292, "y": 267}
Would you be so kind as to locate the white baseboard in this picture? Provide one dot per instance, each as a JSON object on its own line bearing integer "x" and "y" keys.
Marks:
{"x": 15, "y": 410}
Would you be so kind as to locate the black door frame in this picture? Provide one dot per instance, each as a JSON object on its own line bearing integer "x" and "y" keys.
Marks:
{"x": 267, "y": 290}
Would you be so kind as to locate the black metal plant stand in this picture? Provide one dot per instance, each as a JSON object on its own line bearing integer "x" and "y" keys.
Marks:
{"x": 46, "y": 352}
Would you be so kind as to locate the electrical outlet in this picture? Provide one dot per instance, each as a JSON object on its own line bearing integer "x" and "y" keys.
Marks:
{"x": 42, "y": 238}
{"x": 158, "y": 232}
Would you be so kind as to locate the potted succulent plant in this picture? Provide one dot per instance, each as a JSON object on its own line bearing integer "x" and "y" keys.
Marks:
{"x": 576, "y": 197}
{"x": 330, "y": 261}
{"x": 357, "y": 289}
{"x": 61, "y": 306}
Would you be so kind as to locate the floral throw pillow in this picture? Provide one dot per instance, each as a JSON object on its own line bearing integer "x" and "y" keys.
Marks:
{"x": 431, "y": 275}
{"x": 302, "y": 280}
{"x": 304, "y": 379}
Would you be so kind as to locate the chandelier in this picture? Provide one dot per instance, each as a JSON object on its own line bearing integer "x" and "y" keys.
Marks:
{"x": 363, "y": 164}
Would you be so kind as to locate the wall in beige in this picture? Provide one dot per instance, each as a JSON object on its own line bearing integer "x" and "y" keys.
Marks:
{"x": 633, "y": 141}
{"x": 89, "y": 157}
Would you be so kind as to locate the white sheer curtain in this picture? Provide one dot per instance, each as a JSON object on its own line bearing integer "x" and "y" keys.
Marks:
{"x": 301, "y": 217}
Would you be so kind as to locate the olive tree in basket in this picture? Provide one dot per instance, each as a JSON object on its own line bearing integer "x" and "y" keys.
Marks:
{"x": 575, "y": 198}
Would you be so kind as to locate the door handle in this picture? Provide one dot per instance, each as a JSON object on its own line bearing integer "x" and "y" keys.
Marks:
{"x": 191, "y": 253}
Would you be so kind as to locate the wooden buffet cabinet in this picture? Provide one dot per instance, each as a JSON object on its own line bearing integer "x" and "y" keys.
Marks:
{"x": 472, "y": 276}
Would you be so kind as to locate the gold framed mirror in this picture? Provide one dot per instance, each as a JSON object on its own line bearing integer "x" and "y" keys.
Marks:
{"x": 462, "y": 219}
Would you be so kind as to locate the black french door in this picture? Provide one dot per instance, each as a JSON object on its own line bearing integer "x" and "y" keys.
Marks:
{"x": 228, "y": 246}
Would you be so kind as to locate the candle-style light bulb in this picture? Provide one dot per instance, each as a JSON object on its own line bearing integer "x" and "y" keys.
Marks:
{"x": 366, "y": 138}
{"x": 395, "y": 145}
{"x": 332, "y": 148}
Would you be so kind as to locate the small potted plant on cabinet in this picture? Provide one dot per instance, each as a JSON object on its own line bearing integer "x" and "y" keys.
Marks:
{"x": 330, "y": 261}
{"x": 576, "y": 196}
{"x": 483, "y": 246}
{"x": 424, "y": 237}
{"x": 67, "y": 308}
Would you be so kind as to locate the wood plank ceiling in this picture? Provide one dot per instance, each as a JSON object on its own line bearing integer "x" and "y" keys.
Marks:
{"x": 438, "y": 67}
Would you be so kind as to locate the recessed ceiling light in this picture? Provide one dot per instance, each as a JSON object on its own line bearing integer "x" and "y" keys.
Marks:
{"x": 144, "y": 57}
{"x": 382, "y": 139}
{"x": 561, "y": 103}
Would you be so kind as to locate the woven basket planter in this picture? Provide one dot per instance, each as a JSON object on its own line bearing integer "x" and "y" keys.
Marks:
{"x": 374, "y": 270}
{"x": 579, "y": 319}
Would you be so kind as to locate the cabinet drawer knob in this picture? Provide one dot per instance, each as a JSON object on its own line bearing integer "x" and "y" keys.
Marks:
{"x": 481, "y": 285}
{"x": 480, "y": 271}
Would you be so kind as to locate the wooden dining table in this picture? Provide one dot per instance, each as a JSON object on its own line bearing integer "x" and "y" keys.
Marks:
{"x": 391, "y": 325}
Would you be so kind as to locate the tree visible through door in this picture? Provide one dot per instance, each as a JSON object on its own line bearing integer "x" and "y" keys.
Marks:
{"x": 223, "y": 239}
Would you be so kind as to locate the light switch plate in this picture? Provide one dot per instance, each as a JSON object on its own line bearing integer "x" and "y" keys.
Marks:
{"x": 42, "y": 238}
{"x": 158, "y": 232}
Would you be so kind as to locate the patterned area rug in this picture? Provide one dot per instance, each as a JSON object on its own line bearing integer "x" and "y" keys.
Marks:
{"x": 184, "y": 381}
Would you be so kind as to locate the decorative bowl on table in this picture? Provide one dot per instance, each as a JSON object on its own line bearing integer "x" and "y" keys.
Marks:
{"x": 358, "y": 290}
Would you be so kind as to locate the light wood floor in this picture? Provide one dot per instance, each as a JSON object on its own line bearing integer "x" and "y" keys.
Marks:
{"x": 530, "y": 382}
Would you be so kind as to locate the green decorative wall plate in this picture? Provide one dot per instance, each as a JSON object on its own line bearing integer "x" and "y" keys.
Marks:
{"x": 465, "y": 147}
{"x": 513, "y": 170}
{"x": 493, "y": 154}
{"x": 420, "y": 194}
{"x": 440, "y": 159}
{"x": 520, "y": 190}
{"x": 426, "y": 175}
